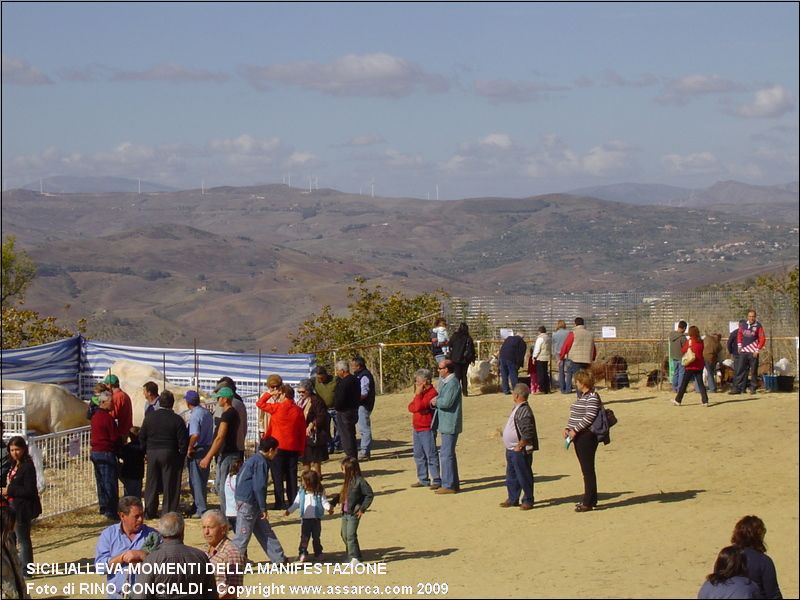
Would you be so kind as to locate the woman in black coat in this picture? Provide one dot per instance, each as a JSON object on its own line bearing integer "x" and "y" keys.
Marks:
{"x": 317, "y": 428}
{"x": 462, "y": 353}
{"x": 23, "y": 496}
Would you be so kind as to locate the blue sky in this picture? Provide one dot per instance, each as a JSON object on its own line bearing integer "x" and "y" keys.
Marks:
{"x": 479, "y": 99}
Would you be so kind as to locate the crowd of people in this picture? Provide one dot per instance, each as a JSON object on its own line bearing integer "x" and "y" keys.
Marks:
{"x": 306, "y": 424}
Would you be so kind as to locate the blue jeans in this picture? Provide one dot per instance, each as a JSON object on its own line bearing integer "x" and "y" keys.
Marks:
{"x": 249, "y": 522}
{"x": 508, "y": 371}
{"x": 350, "y": 536}
{"x": 426, "y": 457}
{"x": 564, "y": 386}
{"x": 364, "y": 430}
{"x": 677, "y": 373}
{"x": 336, "y": 440}
{"x": 198, "y": 481}
{"x": 223, "y": 466}
{"x": 132, "y": 487}
{"x": 448, "y": 461}
{"x": 574, "y": 367}
{"x": 698, "y": 383}
{"x": 519, "y": 476}
{"x": 711, "y": 372}
{"x": 105, "y": 474}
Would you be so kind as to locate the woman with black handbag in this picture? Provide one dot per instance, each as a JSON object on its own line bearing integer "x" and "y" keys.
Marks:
{"x": 317, "y": 428}
{"x": 578, "y": 432}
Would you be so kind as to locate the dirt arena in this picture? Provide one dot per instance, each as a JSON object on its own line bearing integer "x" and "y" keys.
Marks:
{"x": 672, "y": 484}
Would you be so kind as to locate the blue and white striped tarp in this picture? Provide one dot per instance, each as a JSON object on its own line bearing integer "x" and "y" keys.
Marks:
{"x": 97, "y": 358}
{"x": 56, "y": 362}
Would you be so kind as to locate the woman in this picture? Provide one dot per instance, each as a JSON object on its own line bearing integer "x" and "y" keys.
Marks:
{"x": 317, "y": 428}
{"x": 274, "y": 386}
{"x": 748, "y": 534}
{"x": 287, "y": 424}
{"x": 541, "y": 358}
{"x": 729, "y": 579}
{"x": 694, "y": 370}
{"x": 462, "y": 353}
{"x": 23, "y": 496}
{"x": 12, "y": 584}
{"x": 104, "y": 444}
{"x": 581, "y": 416}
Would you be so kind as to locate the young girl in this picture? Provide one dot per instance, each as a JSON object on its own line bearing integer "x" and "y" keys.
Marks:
{"x": 440, "y": 339}
{"x": 230, "y": 493}
{"x": 23, "y": 496}
{"x": 312, "y": 503}
{"x": 356, "y": 497}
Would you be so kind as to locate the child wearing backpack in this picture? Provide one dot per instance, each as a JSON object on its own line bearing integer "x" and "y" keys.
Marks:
{"x": 312, "y": 503}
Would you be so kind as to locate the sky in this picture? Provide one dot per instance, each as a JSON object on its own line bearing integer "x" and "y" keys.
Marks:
{"x": 459, "y": 100}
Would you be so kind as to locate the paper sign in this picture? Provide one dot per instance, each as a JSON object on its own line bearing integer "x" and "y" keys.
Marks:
{"x": 504, "y": 333}
{"x": 609, "y": 332}
{"x": 733, "y": 326}
{"x": 74, "y": 448}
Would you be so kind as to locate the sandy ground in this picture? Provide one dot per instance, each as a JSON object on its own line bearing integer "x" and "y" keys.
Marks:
{"x": 672, "y": 484}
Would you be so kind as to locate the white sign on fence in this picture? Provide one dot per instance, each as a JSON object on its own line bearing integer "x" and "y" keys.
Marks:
{"x": 609, "y": 332}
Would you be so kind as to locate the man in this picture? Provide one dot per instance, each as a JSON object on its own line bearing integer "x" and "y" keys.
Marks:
{"x": 150, "y": 391}
{"x": 189, "y": 577}
{"x": 462, "y": 353}
{"x": 201, "y": 434}
{"x": 224, "y": 445}
{"x": 121, "y": 407}
{"x": 750, "y": 339}
{"x": 104, "y": 443}
{"x": 520, "y": 441}
{"x": 164, "y": 440}
{"x": 221, "y": 550}
{"x": 426, "y": 457}
{"x": 365, "y": 406}
{"x": 512, "y": 356}
{"x": 559, "y": 337}
{"x": 346, "y": 399}
{"x": 123, "y": 544}
{"x": 251, "y": 503}
{"x": 325, "y": 386}
{"x": 447, "y": 420}
{"x": 676, "y": 341}
{"x": 241, "y": 410}
{"x": 711, "y": 348}
{"x": 579, "y": 349}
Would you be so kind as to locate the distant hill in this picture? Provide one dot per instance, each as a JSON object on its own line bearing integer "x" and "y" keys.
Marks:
{"x": 637, "y": 193}
{"x": 240, "y": 268}
{"x": 63, "y": 184}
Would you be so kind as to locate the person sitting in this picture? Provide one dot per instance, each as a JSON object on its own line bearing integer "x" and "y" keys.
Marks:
{"x": 749, "y": 534}
{"x": 221, "y": 550}
{"x": 729, "y": 579}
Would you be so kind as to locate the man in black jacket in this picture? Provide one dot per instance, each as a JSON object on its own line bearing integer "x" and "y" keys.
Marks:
{"x": 164, "y": 440}
{"x": 462, "y": 353}
{"x": 512, "y": 355}
{"x": 346, "y": 400}
{"x": 521, "y": 441}
{"x": 366, "y": 404}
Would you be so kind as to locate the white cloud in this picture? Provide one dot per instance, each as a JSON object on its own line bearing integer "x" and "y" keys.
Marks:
{"x": 614, "y": 157}
{"x": 376, "y": 74}
{"x": 299, "y": 159}
{"x": 395, "y": 158}
{"x": 691, "y": 164}
{"x": 170, "y": 72}
{"x": 369, "y": 139}
{"x": 499, "y": 140}
{"x": 682, "y": 90}
{"x": 554, "y": 158}
{"x": 19, "y": 72}
{"x": 245, "y": 145}
{"x": 770, "y": 102}
{"x": 612, "y": 78}
{"x": 504, "y": 90}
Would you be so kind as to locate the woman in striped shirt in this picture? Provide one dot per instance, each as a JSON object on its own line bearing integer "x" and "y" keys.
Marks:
{"x": 581, "y": 416}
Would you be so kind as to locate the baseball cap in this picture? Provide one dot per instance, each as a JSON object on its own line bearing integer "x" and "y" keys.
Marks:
{"x": 192, "y": 397}
{"x": 225, "y": 392}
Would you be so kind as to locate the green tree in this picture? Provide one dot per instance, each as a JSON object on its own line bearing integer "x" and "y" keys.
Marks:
{"x": 21, "y": 327}
{"x": 375, "y": 316}
{"x": 18, "y": 272}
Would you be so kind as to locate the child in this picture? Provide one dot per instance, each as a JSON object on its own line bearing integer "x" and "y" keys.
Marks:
{"x": 312, "y": 503}
{"x": 230, "y": 491}
{"x": 131, "y": 471}
{"x": 356, "y": 497}
{"x": 440, "y": 340}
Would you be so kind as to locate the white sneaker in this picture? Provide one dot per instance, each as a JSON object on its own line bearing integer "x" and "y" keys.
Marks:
{"x": 676, "y": 403}
{"x": 355, "y": 561}
{"x": 303, "y": 558}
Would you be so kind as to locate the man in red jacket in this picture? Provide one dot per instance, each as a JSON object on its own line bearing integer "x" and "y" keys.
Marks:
{"x": 425, "y": 454}
{"x": 287, "y": 425}
{"x": 104, "y": 442}
{"x": 750, "y": 339}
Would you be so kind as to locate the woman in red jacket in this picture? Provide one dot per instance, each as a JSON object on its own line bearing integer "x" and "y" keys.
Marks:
{"x": 694, "y": 369}
{"x": 287, "y": 424}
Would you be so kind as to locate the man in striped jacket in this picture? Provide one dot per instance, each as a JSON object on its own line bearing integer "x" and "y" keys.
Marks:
{"x": 520, "y": 441}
